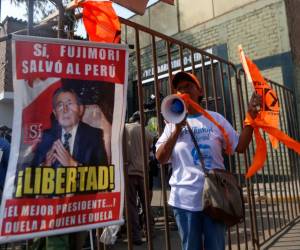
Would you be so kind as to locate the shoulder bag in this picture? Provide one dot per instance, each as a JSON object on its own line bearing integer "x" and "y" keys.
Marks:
{"x": 222, "y": 197}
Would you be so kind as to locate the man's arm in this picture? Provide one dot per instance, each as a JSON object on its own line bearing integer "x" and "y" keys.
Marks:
{"x": 246, "y": 134}
{"x": 244, "y": 139}
{"x": 43, "y": 149}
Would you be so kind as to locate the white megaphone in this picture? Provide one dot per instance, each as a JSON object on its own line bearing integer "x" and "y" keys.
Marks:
{"x": 173, "y": 109}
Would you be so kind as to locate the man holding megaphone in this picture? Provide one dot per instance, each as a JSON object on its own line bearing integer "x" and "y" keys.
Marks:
{"x": 213, "y": 134}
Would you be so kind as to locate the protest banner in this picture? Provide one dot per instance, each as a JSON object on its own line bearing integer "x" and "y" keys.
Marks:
{"x": 65, "y": 170}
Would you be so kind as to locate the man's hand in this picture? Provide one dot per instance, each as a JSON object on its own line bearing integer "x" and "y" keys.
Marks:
{"x": 63, "y": 156}
{"x": 179, "y": 126}
{"x": 164, "y": 151}
{"x": 254, "y": 105}
{"x": 50, "y": 158}
{"x": 246, "y": 135}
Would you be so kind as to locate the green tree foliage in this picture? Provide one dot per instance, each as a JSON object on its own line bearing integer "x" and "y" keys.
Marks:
{"x": 42, "y": 8}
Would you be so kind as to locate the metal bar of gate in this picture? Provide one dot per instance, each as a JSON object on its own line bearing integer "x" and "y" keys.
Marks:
{"x": 142, "y": 121}
{"x": 157, "y": 101}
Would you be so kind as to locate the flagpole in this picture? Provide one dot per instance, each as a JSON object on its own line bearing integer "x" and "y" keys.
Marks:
{"x": 245, "y": 65}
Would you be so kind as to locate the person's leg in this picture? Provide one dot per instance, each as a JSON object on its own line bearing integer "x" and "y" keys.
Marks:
{"x": 190, "y": 228}
{"x": 150, "y": 186}
{"x": 132, "y": 208}
{"x": 214, "y": 234}
{"x": 58, "y": 242}
{"x": 77, "y": 240}
{"x": 142, "y": 197}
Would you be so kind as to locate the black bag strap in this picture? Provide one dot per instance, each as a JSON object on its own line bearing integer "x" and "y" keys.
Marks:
{"x": 202, "y": 165}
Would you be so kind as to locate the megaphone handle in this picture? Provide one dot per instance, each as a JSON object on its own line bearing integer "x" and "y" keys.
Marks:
{"x": 197, "y": 148}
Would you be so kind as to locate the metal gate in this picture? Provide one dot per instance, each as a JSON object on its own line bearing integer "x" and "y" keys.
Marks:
{"x": 272, "y": 196}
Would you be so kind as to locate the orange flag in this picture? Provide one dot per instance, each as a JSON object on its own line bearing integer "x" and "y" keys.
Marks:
{"x": 269, "y": 113}
{"x": 101, "y": 21}
{"x": 267, "y": 119}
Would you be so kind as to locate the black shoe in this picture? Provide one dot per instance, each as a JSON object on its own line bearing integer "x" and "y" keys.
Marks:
{"x": 138, "y": 242}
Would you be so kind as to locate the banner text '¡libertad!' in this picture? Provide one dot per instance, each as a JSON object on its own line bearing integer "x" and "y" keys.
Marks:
{"x": 64, "y": 180}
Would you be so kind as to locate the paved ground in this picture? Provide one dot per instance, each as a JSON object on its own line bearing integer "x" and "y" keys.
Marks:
{"x": 289, "y": 239}
{"x": 159, "y": 239}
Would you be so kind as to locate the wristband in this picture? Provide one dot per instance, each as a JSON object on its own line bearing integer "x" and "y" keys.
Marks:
{"x": 249, "y": 120}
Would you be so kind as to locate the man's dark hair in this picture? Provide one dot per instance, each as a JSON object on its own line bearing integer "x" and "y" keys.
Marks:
{"x": 65, "y": 90}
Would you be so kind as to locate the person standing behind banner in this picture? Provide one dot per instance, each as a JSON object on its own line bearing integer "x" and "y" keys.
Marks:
{"x": 135, "y": 171}
{"x": 4, "y": 157}
{"x": 176, "y": 146}
{"x": 153, "y": 163}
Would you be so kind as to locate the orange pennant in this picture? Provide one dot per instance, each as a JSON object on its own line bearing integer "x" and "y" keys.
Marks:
{"x": 261, "y": 148}
{"x": 270, "y": 105}
{"x": 101, "y": 21}
{"x": 267, "y": 119}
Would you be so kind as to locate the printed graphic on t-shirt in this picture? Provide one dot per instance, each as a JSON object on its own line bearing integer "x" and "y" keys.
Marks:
{"x": 206, "y": 155}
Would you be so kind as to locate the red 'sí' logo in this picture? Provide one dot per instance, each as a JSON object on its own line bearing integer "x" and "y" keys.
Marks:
{"x": 32, "y": 132}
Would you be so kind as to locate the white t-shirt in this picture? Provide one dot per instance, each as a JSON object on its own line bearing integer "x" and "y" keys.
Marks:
{"x": 187, "y": 176}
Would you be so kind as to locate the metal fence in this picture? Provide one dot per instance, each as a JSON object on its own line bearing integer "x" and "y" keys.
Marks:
{"x": 271, "y": 196}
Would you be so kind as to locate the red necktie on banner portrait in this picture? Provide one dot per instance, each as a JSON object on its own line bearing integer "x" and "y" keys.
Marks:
{"x": 101, "y": 21}
{"x": 267, "y": 119}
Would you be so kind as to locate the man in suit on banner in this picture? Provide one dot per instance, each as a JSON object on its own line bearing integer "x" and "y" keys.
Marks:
{"x": 70, "y": 142}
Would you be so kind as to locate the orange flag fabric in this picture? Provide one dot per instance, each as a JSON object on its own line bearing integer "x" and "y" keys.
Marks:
{"x": 269, "y": 113}
{"x": 267, "y": 119}
{"x": 101, "y": 21}
{"x": 197, "y": 107}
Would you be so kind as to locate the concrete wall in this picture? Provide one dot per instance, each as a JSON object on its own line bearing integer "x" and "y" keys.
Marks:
{"x": 128, "y": 35}
{"x": 163, "y": 18}
{"x": 160, "y": 17}
{"x": 223, "y": 6}
{"x": 260, "y": 27}
{"x": 193, "y": 12}
{"x": 185, "y": 14}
